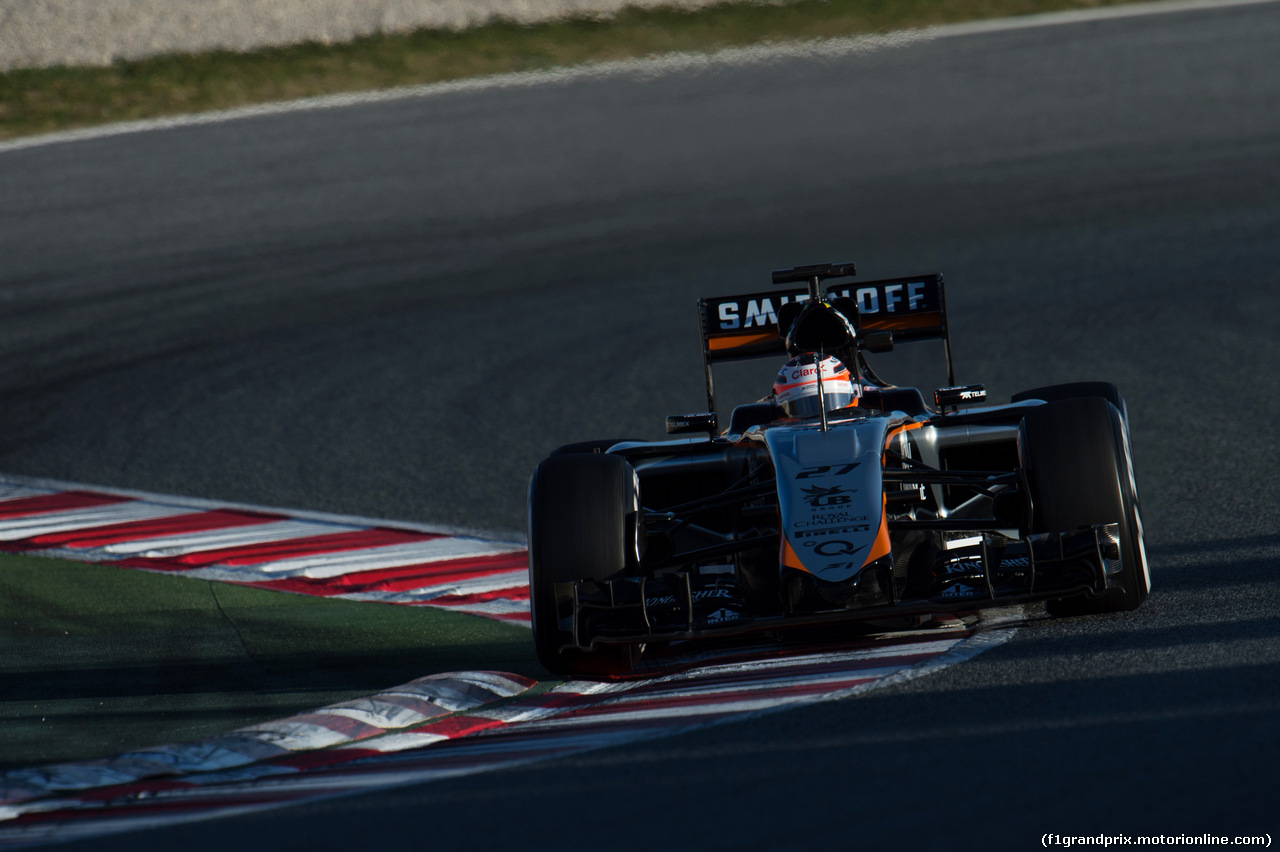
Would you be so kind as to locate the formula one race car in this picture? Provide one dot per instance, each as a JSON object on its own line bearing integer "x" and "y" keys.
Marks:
{"x": 839, "y": 498}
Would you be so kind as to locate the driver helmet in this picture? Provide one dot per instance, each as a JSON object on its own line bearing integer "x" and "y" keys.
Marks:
{"x": 796, "y": 388}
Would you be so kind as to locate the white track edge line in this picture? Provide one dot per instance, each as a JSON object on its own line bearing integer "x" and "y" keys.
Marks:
{"x": 504, "y": 536}
{"x": 93, "y": 828}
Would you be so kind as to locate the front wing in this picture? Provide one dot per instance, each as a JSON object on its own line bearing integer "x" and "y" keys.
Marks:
{"x": 969, "y": 573}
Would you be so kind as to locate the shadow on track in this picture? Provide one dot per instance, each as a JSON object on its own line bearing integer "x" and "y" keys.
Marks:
{"x": 95, "y": 661}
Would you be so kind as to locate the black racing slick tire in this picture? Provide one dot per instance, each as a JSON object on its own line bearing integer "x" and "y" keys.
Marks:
{"x": 583, "y": 510}
{"x": 1075, "y": 390}
{"x": 1081, "y": 472}
{"x": 598, "y": 446}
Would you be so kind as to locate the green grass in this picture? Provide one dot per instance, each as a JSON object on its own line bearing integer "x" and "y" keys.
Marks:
{"x": 96, "y": 660}
{"x": 44, "y": 100}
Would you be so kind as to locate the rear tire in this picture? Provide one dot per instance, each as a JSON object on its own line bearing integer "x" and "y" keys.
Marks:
{"x": 1081, "y": 469}
{"x": 583, "y": 511}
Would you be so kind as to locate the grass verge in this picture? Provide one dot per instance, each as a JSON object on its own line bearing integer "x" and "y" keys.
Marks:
{"x": 97, "y": 660}
{"x": 44, "y": 100}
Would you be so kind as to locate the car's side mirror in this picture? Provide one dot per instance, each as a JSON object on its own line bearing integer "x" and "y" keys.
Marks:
{"x": 877, "y": 341}
{"x": 678, "y": 424}
{"x": 955, "y": 397}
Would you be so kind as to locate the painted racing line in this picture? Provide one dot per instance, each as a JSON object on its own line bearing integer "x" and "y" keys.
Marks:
{"x": 433, "y": 728}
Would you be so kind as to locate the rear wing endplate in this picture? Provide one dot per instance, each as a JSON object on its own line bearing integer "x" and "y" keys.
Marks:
{"x": 740, "y": 328}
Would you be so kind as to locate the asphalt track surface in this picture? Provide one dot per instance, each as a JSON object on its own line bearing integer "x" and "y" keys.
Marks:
{"x": 396, "y": 309}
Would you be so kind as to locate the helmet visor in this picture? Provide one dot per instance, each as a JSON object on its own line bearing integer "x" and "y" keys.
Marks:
{"x": 811, "y": 406}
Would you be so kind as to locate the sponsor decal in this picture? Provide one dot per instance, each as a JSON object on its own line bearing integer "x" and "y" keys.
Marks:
{"x": 962, "y": 566}
{"x": 834, "y": 547}
{"x": 757, "y": 313}
{"x": 760, "y": 310}
{"x": 808, "y": 373}
{"x": 723, "y": 616}
{"x": 699, "y": 595}
{"x": 823, "y": 519}
{"x": 827, "y": 530}
{"x": 818, "y": 496}
{"x": 827, "y": 470}
{"x": 840, "y": 566}
{"x": 906, "y": 297}
{"x": 960, "y": 395}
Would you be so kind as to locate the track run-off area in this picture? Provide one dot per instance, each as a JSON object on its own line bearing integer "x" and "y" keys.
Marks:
{"x": 436, "y": 727}
{"x": 393, "y": 306}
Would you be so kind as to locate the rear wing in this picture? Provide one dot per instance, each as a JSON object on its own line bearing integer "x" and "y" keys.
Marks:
{"x": 740, "y": 328}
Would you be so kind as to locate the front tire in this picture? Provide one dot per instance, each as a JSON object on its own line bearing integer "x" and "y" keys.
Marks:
{"x": 583, "y": 510}
{"x": 1075, "y": 390}
{"x": 597, "y": 446}
{"x": 1081, "y": 467}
